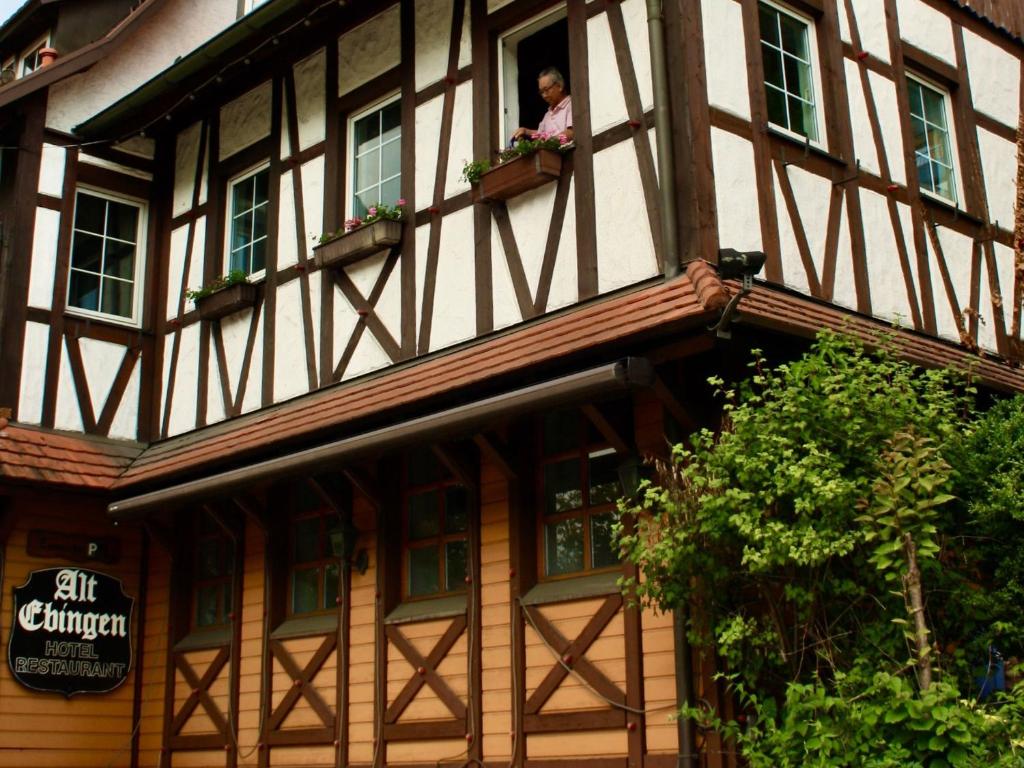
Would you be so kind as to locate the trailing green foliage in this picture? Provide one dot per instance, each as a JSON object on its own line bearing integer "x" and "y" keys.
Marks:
{"x": 851, "y": 530}
{"x": 234, "y": 277}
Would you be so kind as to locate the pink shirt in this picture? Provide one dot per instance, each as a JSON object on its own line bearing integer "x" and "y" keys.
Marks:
{"x": 558, "y": 118}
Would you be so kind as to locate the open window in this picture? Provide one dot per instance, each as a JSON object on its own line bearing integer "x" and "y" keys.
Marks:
{"x": 30, "y": 60}
{"x": 525, "y": 51}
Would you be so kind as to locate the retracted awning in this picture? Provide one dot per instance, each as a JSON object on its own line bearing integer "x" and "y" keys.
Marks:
{"x": 579, "y": 387}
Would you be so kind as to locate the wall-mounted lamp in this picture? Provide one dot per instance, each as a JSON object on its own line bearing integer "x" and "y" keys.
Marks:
{"x": 734, "y": 264}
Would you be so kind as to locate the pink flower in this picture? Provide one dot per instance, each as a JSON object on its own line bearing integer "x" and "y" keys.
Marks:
{"x": 372, "y": 210}
{"x": 352, "y": 223}
{"x": 563, "y": 139}
{"x": 401, "y": 201}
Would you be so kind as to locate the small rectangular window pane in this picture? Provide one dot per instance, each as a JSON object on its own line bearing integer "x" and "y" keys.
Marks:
{"x": 604, "y": 477}
{"x": 84, "y": 290}
{"x": 772, "y": 66}
{"x": 934, "y": 111}
{"x": 261, "y": 186}
{"x": 258, "y": 261}
{"x": 122, "y": 221}
{"x": 241, "y": 197}
{"x": 368, "y": 170}
{"x": 943, "y": 180}
{"x": 330, "y": 585}
{"x": 390, "y": 191}
{"x": 206, "y": 606}
{"x": 86, "y": 252}
{"x": 602, "y": 548}
{"x": 90, "y": 213}
{"x": 563, "y": 546}
{"x": 424, "y": 515}
{"x": 119, "y": 260}
{"x": 562, "y": 491}
{"x": 456, "y": 509}
{"x": 208, "y": 559}
{"x": 424, "y": 571}
{"x": 241, "y": 230}
{"x": 456, "y": 565}
{"x": 777, "y": 107}
{"x": 794, "y": 36}
{"x": 769, "y": 24}
{"x": 305, "y": 540}
{"x": 239, "y": 259}
{"x": 801, "y": 117}
{"x": 304, "y": 590}
{"x": 367, "y": 133}
{"x": 391, "y": 121}
{"x": 390, "y": 162}
{"x": 117, "y": 298}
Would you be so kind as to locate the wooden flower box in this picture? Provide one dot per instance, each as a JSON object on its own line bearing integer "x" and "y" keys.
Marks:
{"x": 226, "y": 301}
{"x": 362, "y": 241}
{"x": 516, "y": 176}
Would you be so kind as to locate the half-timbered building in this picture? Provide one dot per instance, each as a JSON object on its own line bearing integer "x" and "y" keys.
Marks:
{"x": 362, "y": 496}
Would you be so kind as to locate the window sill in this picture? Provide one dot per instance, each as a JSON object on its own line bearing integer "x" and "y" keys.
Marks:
{"x": 564, "y": 590}
{"x": 202, "y": 639}
{"x": 804, "y": 145}
{"x": 934, "y": 201}
{"x": 305, "y": 626}
{"x": 425, "y": 610}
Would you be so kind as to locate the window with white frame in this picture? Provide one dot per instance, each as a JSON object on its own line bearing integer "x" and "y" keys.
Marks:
{"x": 376, "y": 157}
{"x": 30, "y": 60}
{"x": 247, "y": 223}
{"x": 253, "y": 4}
{"x": 933, "y": 151}
{"x": 787, "y": 52}
{"x": 106, "y": 257}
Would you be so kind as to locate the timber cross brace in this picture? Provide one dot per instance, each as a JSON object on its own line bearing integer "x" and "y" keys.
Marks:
{"x": 426, "y": 674}
{"x": 302, "y": 688}
{"x": 200, "y": 695}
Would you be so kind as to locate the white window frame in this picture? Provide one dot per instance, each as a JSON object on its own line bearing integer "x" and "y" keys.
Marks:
{"x": 229, "y": 217}
{"x": 947, "y": 98}
{"x": 508, "y": 64}
{"x": 251, "y": 5}
{"x": 350, "y": 144}
{"x": 821, "y": 142}
{"x": 138, "y": 278}
{"x": 43, "y": 42}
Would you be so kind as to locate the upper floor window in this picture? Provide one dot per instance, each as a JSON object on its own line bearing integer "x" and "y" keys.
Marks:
{"x": 316, "y": 549}
{"x": 247, "y": 230}
{"x": 435, "y": 528}
{"x": 526, "y": 51}
{"x": 106, "y": 259}
{"x": 579, "y": 486}
{"x": 933, "y": 153}
{"x": 376, "y": 151}
{"x": 30, "y": 60}
{"x": 211, "y": 583}
{"x": 787, "y": 47}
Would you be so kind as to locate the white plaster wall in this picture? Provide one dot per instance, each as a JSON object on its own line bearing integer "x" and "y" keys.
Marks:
{"x": 183, "y": 406}
{"x": 957, "y": 250}
{"x": 493, "y": 5}
{"x": 1005, "y": 273}
{"x": 33, "y": 373}
{"x": 625, "y": 246}
{"x": 389, "y": 306}
{"x": 368, "y": 355}
{"x": 986, "y": 320}
{"x": 369, "y": 50}
{"x": 143, "y": 53}
{"x": 927, "y": 28}
{"x": 433, "y": 34}
{"x": 428, "y": 136}
{"x": 634, "y": 14}
{"x": 884, "y": 91}
{"x": 101, "y": 361}
{"x": 51, "y": 170}
{"x": 812, "y": 194}
{"x": 888, "y": 290}
{"x": 99, "y": 162}
{"x": 726, "y": 63}
{"x": 454, "y": 317}
{"x": 466, "y": 38}
{"x": 179, "y": 239}
{"x": 607, "y": 104}
{"x": 309, "y": 99}
{"x": 125, "y": 425}
{"x": 530, "y": 215}
{"x": 235, "y": 332}
{"x": 214, "y": 395}
{"x": 186, "y": 156}
{"x": 995, "y": 79}
{"x": 999, "y": 166}
{"x": 286, "y": 246}
{"x": 504, "y": 305}
{"x": 68, "y": 415}
{"x": 290, "y": 378}
{"x": 138, "y": 146}
{"x": 844, "y": 291}
{"x": 44, "y": 258}
{"x": 313, "y": 201}
{"x": 739, "y": 225}
{"x": 344, "y": 322}
{"x": 864, "y": 148}
{"x": 245, "y": 120}
{"x": 461, "y": 147}
{"x": 870, "y": 20}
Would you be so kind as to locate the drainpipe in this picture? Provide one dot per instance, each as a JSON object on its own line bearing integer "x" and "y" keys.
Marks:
{"x": 684, "y": 687}
{"x": 663, "y": 129}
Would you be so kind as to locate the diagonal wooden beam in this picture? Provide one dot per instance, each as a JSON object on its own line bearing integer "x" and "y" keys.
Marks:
{"x": 364, "y": 483}
{"x": 672, "y": 405}
{"x": 457, "y": 462}
{"x": 494, "y": 449}
{"x": 621, "y": 443}
{"x": 200, "y": 692}
{"x": 302, "y": 682}
{"x": 429, "y": 675}
{"x": 124, "y": 374}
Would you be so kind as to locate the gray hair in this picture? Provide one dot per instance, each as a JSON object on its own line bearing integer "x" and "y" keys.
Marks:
{"x": 554, "y": 74}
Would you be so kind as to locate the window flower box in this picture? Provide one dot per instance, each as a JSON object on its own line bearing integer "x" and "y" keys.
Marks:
{"x": 349, "y": 247}
{"x": 513, "y": 177}
{"x": 226, "y": 301}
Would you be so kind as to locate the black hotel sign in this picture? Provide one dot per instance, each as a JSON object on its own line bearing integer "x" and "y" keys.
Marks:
{"x": 71, "y": 632}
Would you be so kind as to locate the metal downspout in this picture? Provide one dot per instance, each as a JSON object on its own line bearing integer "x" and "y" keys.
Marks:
{"x": 663, "y": 131}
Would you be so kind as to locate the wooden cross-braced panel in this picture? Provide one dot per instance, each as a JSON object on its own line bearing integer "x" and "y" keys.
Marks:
{"x": 302, "y": 688}
{"x": 200, "y": 695}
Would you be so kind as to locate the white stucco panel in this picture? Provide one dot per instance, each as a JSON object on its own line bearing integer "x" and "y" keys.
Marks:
{"x": 726, "y": 63}
{"x": 286, "y": 252}
{"x": 812, "y": 195}
{"x": 957, "y": 252}
{"x": 739, "y": 224}
{"x": 68, "y": 414}
{"x": 99, "y": 162}
{"x": 530, "y": 217}
{"x": 493, "y": 5}
{"x": 101, "y": 361}
{"x": 864, "y": 148}
{"x": 454, "y": 317}
{"x": 186, "y": 156}
{"x": 844, "y": 290}
{"x": 428, "y": 137}
{"x": 176, "y": 286}
{"x": 44, "y": 258}
{"x": 369, "y": 50}
{"x": 290, "y": 373}
{"x": 884, "y": 93}
{"x": 125, "y": 425}
{"x": 625, "y": 246}
{"x": 504, "y": 304}
{"x": 365, "y": 274}
{"x": 368, "y": 355}
{"x": 214, "y": 394}
{"x": 461, "y": 148}
{"x": 344, "y": 322}
{"x": 313, "y": 202}
{"x": 51, "y": 170}
{"x": 634, "y": 14}
{"x": 888, "y": 289}
{"x": 927, "y": 28}
{"x": 433, "y": 38}
{"x": 564, "y": 281}
{"x": 139, "y": 146}
{"x": 309, "y": 99}
{"x": 986, "y": 317}
{"x": 1004, "y": 271}
{"x": 183, "y": 405}
{"x": 607, "y": 104}
{"x": 235, "y": 330}
{"x": 870, "y": 22}
{"x": 33, "y": 373}
{"x": 466, "y": 38}
{"x": 995, "y": 79}
{"x": 999, "y": 166}
{"x": 245, "y": 120}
